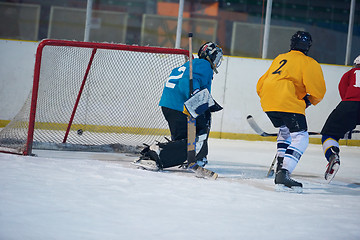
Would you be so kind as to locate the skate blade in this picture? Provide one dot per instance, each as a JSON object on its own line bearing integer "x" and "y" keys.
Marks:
{"x": 148, "y": 168}
{"x": 201, "y": 172}
{"x": 207, "y": 175}
{"x": 330, "y": 176}
{"x": 213, "y": 176}
{"x": 283, "y": 188}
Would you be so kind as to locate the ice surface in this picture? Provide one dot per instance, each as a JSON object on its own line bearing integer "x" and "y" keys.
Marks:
{"x": 74, "y": 195}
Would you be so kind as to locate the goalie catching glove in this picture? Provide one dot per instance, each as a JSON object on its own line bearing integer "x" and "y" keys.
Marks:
{"x": 200, "y": 103}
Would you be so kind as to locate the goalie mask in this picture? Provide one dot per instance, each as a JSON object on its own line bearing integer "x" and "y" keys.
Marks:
{"x": 213, "y": 53}
{"x": 301, "y": 41}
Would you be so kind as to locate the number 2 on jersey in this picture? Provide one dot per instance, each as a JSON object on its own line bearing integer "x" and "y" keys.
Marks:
{"x": 282, "y": 63}
{"x": 169, "y": 84}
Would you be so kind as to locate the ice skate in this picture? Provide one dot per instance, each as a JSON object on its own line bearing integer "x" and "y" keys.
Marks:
{"x": 283, "y": 182}
{"x": 146, "y": 163}
{"x": 332, "y": 167}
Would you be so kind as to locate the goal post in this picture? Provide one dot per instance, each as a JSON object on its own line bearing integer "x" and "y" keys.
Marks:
{"x": 93, "y": 97}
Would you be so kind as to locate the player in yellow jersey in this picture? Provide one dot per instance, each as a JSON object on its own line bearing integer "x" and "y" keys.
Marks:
{"x": 293, "y": 82}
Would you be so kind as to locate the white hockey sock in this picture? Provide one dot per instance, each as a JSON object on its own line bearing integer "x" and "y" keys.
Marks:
{"x": 299, "y": 143}
{"x": 328, "y": 143}
{"x": 283, "y": 141}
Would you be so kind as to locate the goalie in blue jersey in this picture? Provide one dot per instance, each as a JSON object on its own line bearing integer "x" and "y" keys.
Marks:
{"x": 176, "y": 104}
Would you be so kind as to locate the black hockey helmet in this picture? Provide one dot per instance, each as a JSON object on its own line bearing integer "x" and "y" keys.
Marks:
{"x": 213, "y": 53}
{"x": 301, "y": 41}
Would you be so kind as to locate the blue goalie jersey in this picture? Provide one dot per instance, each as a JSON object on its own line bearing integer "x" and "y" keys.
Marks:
{"x": 176, "y": 89}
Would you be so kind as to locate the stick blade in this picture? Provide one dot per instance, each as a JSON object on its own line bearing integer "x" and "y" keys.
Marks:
{"x": 256, "y": 127}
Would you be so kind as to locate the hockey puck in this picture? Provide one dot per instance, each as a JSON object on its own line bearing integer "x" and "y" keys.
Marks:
{"x": 79, "y": 131}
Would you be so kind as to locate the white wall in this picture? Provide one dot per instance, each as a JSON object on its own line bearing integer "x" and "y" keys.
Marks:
{"x": 237, "y": 91}
{"x": 17, "y": 60}
{"x": 234, "y": 88}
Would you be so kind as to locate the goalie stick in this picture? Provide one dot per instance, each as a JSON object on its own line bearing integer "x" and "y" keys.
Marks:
{"x": 191, "y": 124}
{"x": 191, "y": 131}
{"x": 202, "y": 172}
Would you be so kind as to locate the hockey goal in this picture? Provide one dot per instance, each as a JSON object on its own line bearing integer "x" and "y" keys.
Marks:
{"x": 93, "y": 96}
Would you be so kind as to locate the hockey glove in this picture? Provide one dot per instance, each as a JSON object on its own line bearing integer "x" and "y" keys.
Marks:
{"x": 216, "y": 107}
{"x": 307, "y": 101}
{"x": 185, "y": 111}
{"x": 199, "y": 103}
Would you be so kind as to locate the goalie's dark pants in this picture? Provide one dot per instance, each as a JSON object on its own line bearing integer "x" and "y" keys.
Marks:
{"x": 175, "y": 152}
{"x": 178, "y": 123}
{"x": 342, "y": 119}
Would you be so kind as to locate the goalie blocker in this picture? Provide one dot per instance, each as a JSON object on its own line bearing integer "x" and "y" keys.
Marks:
{"x": 199, "y": 103}
{"x": 174, "y": 153}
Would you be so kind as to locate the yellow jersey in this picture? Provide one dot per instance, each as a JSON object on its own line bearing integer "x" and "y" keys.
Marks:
{"x": 290, "y": 77}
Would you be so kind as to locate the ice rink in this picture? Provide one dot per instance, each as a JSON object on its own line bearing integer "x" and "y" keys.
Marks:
{"x": 77, "y": 195}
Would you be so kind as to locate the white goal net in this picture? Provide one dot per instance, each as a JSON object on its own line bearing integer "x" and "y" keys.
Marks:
{"x": 93, "y": 96}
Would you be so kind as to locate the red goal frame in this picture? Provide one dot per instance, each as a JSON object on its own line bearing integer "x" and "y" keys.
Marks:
{"x": 94, "y": 46}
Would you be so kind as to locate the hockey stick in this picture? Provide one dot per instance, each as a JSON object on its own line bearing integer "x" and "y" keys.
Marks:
{"x": 191, "y": 122}
{"x": 261, "y": 132}
{"x": 271, "y": 169}
{"x": 257, "y": 129}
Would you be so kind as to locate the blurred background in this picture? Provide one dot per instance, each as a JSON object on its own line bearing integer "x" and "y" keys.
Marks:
{"x": 236, "y": 25}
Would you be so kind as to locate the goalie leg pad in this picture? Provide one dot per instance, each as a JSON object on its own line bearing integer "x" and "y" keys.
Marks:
{"x": 174, "y": 153}
{"x": 201, "y": 147}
